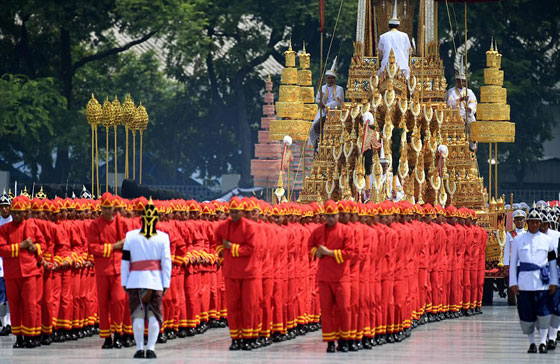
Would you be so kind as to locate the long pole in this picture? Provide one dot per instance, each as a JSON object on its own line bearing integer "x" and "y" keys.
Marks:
{"x": 489, "y": 172}
{"x": 466, "y": 61}
{"x": 116, "y": 182}
{"x": 496, "y": 170}
{"x": 140, "y": 157}
{"x": 97, "y": 162}
{"x": 133, "y": 154}
{"x": 321, "y": 92}
{"x": 126, "y": 153}
{"x": 92, "y": 159}
{"x": 107, "y": 160}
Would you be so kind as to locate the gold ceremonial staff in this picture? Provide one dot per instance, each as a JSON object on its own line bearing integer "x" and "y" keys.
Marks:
{"x": 94, "y": 114}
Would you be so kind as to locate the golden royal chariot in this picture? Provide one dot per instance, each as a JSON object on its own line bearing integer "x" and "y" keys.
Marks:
{"x": 411, "y": 119}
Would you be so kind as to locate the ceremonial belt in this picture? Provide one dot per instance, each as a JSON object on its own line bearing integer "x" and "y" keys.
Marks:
{"x": 530, "y": 267}
{"x": 145, "y": 265}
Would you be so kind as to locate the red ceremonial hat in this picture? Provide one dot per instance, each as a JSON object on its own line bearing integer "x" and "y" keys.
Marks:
{"x": 36, "y": 204}
{"x": 451, "y": 211}
{"x": 428, "y": 209}
{"x": 330, "y": 208}
{"x": 107, "y": 200}
{"x": 140, "y": 203}
{"x": 193, "y": 206}
{"x": 19, "y": 203}
{"x": 235, "y": 204}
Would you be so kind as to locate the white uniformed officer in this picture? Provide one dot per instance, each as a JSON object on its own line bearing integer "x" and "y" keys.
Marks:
{"x": 537, "y": 281}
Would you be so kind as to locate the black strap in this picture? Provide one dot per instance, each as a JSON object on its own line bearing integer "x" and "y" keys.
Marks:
{"x": 126, "y": 255}
{"x": 551, "y": 255}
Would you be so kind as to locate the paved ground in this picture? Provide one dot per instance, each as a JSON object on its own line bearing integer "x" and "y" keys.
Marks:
{"x": 494, "y": 337}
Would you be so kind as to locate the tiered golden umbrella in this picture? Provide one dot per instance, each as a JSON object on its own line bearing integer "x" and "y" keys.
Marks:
{"x": 94, "y": 114}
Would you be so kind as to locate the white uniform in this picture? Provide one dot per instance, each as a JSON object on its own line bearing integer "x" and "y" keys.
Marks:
{"x": 333, "y": 96}
{"x": 454, "y": 94}
{"x": 4, "y": 308}
{"x": 531, "y": 248}
{"x": 143, "y": 250}
{"x": 400, "y": 44}
{"x": 509, "y": 243}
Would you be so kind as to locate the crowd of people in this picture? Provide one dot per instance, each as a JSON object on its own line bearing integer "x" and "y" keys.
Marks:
{"x": 367, "y": 274}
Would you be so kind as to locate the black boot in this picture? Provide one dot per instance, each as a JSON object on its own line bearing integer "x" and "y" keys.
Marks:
{"x": 543, "y": 349}
{"x": 59, "y": 337}
{"x": 191, "y": 331}
{"x": 532, "y": 349}
{"x": 150, "y": 354}
{"x": 342, "y": 346}
{"x": 391, "y": 338}
{"x": 246, "y": 345}
{"x": 373, "y": 341}
{"x": 358, "y": 344}
{"x": 29, "y": 342}
{"x": 255, "y": 344}
{"x": 162, "y": 338}
{"x": 139, "y": 354}
{"x": 331, "y": 347}
{"x": 20, "y": 343}
{"x": 366, "y": 343}
{"x": 235, "y": 345}
{"x": 127, "y": 342}
{"x": 182, "y": 332}
{"x": 117, "y": 341}
{"x": 46, "y": 339}
{"x": 108, "y": 344}
{"x": 551, "y": 344}
{"x": 73, "y": 334}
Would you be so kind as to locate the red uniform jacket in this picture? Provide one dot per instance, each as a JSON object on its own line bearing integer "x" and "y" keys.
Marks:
{"x": 18, "y": 262}
{"x": 240, "y": 262}
{"x": 102, "y": 234}
{"x": 340, "y": 239}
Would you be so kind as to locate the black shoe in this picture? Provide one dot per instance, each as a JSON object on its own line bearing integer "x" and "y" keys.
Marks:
{"x": 46, "y": 339}
{"x": 275, "y": 337}
{"x": 359, "y": 344}
{"x": 267, "y": 341}
{"x": 81, "y": 333}
{"x": 235, "y": 345}
{"x": 246, "y": 345}
{"x": 73, "y": 335}
{"x": 29, "y": 343}
{"x": 342, "y": 346}
{"x": 366, "y": 343}
{"x": 399, "y": 337}
{"x": 182, "y": 333}
{"x": 331, "y": 347}
{"x": 551, "y": 344}
{"x": 380, "y": 340}
{"x": 162, "y": 338}
{"x": 408, "y": 332}
{"x": 532, "y": 349}
{"x": 20, "y": 343}
{"x": 127, "y": 342}
{"x": 59, "y": 337}
{"x": 67, "y": 335}
{"x": 373, "y": 342}
{"x": 191, "y": 331}
{"x": 117, "y": 342}
{"x": 4, "y": 331}
{"x": 150, "y": 354}
{"x": 255, "y": 344}
{"x": 108, "y": 344}
{"x": 543, "y": 349}
{"x": 391, "y": 338}
{"x": 139, "y": 354}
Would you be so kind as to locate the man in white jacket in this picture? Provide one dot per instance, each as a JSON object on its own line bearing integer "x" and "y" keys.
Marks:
{"x": 146, "y": 275}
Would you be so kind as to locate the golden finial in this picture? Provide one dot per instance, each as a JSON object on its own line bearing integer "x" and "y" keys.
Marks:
{"x": 496, "y": 46}
{"x": 492, "y": 44}
{"x": 118, "y": 111}
{"x": 304, "y": 47}
{"x": 93, "y": 111}
{"x": 290, "y": 47}
{"x": 141, "y": 118}
{"x": 268, "y": 79}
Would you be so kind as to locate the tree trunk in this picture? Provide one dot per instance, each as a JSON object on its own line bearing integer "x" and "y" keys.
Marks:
{"x": 244, "y": 135}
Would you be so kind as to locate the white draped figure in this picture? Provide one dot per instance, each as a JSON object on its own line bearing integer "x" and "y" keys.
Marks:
{"x": 333, "y": 96}
{"x": 462, "y": 98}
{"x": 388, "y": 192}
{"x": 397, "y": 41}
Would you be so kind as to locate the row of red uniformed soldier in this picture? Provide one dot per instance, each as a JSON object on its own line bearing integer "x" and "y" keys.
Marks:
{"x": 273, "y": 267}
{"x": 369, "y": 272}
